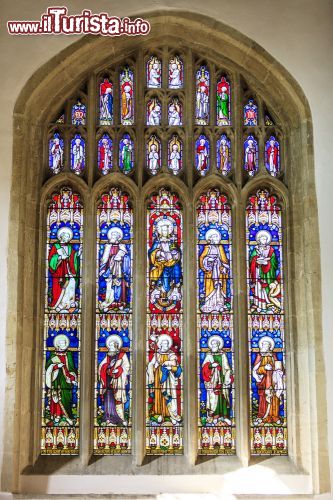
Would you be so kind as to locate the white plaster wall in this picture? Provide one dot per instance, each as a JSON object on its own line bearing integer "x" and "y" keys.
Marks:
{"x": 298, "y": 33}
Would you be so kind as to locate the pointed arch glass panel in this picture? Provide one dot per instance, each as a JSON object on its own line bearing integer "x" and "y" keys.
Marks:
{"x": 272, "y": 156}
{"x": 267, "y": 377}
{"x": 154, "y": 73}
{"x": 56, "y": 153}
{"x": 126, "y": 154}
{"x": 215, "y": 354}
{"x": 154, "y": 112}
{"x": 176, "y": 73}
{"x": 164, "y": 340}
{"x": 79, "y": 112}
{"x": 62, "y": 325}
{"x": 78, "y": 154}
{"x": 251, "y": 164}
{"x": 106, "y": 102}
{"x": 223, "y": 102}
{"x": 153, "y": 155}
{"x": 113, "y": 348}
{"x": 175, "y": 112}
{"x": 175, "y": 154}
{"x": 250, "y": 113}
{"x": 202, "y": 96}
{"x": 105, "y": 154}
{"x": 202, "y": 155}
{"x": 223, "y": 154}
{"x": 127, "y": 96}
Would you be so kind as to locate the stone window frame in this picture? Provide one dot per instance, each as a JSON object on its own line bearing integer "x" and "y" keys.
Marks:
{"x": 33, "y": 110}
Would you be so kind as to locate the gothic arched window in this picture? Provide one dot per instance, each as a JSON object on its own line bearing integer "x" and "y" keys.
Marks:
{"x": 183, "y": 163}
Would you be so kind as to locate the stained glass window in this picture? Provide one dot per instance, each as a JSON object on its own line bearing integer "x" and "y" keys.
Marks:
{"x": 164, "y": 386}
{"x": 106, "y": 102}
{"x": 272, "y": 156}
{"x": 251, "y": 155}
{"x": 154, "y": 112}
{"x": 223, "y": 102}
{"x": 176, "y": 71}
{"x": 113, "y": 348}
{"x": 202, "y": 96}
{"x": 154, "y": 73}
{"x": 126, "y": 154}
{"x": 127, "y": 96}
{"x": 78, "y": 154}
{"x": 266, "y": 324}
{"x": 153, "y": 154}
{"x": 105, "y": 154}
{"x": 215, "y": 325}
{"x": 79, "y": 114}
{"x": 62, "y": 325}
{"x": 175, "y": 154}
{"x": 164, "y": 142}
{"x": 223, "y": 154}
{"x": 175, "y": 112}
{"x": 56, "y": 153}
{"x": 250, "y": 113}
{"x": 202, "y": 155}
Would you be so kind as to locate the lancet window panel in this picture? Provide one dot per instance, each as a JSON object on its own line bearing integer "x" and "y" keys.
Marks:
{"x": 62, "y": 325}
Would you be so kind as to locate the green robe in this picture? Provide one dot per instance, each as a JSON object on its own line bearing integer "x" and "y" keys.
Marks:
{"x": 222, "y": 105}
{"x": 60, "y": 387}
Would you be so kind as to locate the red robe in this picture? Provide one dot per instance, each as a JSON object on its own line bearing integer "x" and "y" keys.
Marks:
{"x": 60, "y": 270}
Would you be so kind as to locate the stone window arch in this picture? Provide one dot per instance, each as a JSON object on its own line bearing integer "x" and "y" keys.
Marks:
{"x": 252, "y": 74}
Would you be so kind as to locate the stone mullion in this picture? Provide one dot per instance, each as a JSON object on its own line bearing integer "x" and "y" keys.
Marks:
{"x": 188, "y": 118}
{"x": 139, "y": 118}
{"x": 237, "y": 125}
{"x": 241, "y": 335}
{"x": 91, "y": 130}
{"x": 139, "y": 332}
{"x": 190, "y": 335}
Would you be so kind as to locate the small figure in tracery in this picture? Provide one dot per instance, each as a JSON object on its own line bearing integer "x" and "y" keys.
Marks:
{"x": 175, "y": 73}
{"x": 175, "y": 155}
{"x": 56, "y": 153}
{"x": 202, "y": 155}
{"x": 154, "y": 71}
{"x": 251, "y": 155}
{"x": 272, "y": 156}
{"x": 78, "y": 154}
{"x": 175, "y": 112}
{"x": 153, "y": 155}
{"x": 223, "y": 154}
{"x": 202, "y": 97}
{"x": 154, "y": 112}
{"x": 106, "y": 103}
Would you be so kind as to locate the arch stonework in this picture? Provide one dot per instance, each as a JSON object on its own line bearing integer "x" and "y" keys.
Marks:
{"x": 36, "y": 104}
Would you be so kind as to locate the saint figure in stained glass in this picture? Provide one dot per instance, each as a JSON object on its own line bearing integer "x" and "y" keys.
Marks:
{"x": 175, "y": 112}
{"x": 268, "y": 373}
{"x": 105, "y": 154}
{"x": 202, "y": 96}
{"x": 60, "y": 377}
{"x": 215, "y": 266}
{"x": 175, "y": 155}
{"x": 175, "y": 73}
{"x": 165, "y": 269}
{"x": 223, "y": 154}
{"x": 106, "y": 102}
{"x": 64, "y": 265}
{"x": 154, "y": 112}
{"x": 126, "y": 154}
{"x": 251, "y": 155}
{"x": 264, "y": 275}
{"x": 153, "y": 154}
{"x": 78, "y": 154}
{"x": 272, "y": 156}
{"x": 154, "y": 71}
{"x": 113, "y": 374}
{"x": 250, "y": 113}
{"x": 223, "y": 102}
{"x": 127, "y": 96}
{"x": 218, "y": 378}
{"x": 56, "y": 153}
{"x": 202, "y": 155}
{"x": 115, "y": 272}
{"x": 163, "y": 372}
